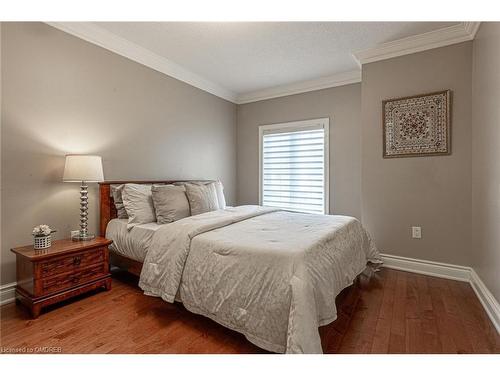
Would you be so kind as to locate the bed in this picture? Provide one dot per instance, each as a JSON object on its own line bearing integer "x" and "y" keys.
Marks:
{"x": 269, "y": 274}
{"x": 132, "y": 244}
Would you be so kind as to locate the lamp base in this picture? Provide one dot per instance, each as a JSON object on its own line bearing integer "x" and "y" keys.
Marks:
{"x": 83, "y": 237}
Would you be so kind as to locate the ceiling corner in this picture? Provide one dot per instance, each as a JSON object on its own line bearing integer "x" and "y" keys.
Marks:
{"x": 335, "y": 80}
{"x": 94, "y": 34}
{"x": 458, "y": 33}
{"x": 472, "y": 28}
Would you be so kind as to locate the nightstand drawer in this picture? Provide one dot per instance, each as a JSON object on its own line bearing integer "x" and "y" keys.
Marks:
{"x": 64, "y": 270}
{"x": 65, "y": 281}
{"x": 70, "y": 263}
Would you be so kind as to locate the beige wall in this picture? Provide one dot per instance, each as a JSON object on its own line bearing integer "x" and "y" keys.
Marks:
{"x": 431, "y": 192}
{"x": 342, "y": 106}
{"x": 64, "y": 95}
{"x": 486, "y": 156}
{"x": 61, "y": 94}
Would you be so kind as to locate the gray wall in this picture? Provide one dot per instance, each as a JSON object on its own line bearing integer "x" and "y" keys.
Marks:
{"x": 431, "y": 192}
{"x": 486, "y": 156}
{"x": 64, "y": 95}
{"x": 61, "y": 95}
{"x": 342, "y": 106}
{"x": 390, "y": 195}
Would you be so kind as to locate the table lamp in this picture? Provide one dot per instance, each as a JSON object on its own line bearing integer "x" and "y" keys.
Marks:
{"x": 83, "y": 168}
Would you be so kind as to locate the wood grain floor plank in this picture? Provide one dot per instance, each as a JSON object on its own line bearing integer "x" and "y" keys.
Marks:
{"x": 397, "y": 339}
{"x": 382, "y": 336}
{"x": 359, "y": 336}
{"x": 449, "y": 322}
{"x": 393, "y": 312}
{"x": 443, "y": 326}
{"x": 414, "y": 341}
{"x": 458, "y": 333}
{"x": 430, "y": 334}
{"x": 474, "y": 319}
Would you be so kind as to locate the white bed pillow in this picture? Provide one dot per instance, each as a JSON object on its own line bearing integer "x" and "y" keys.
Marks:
{"x": 138, "y": 202}
{"x": 170, "y": 203}
{"x": 202, "y": 197}
{"x": 219, "y": 188}
{"x": 116, "y": 192}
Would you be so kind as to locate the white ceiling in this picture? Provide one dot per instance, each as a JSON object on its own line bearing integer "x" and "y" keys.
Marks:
{"x": 252, "y": 56}
{"x": 249, "y": 61}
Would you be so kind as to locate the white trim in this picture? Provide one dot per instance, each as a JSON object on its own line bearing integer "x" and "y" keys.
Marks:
{"x": 7, "y": 293}
{"x": 449, "y": 271}
{"x": 325, "y": 122}
{"x": 461, "y": 32}
{"x": 487, "y": 299}
{"x": 472, "y": 28}
{"x": 105, "y": 39}
{"x": 426, "y": 267}
{"x": 99, "y": 36}
{"x": 339, "y": 79}
{"x": 326, "y": 126}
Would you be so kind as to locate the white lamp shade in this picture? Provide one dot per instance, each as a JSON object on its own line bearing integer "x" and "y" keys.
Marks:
{"x": 86, "y": 168}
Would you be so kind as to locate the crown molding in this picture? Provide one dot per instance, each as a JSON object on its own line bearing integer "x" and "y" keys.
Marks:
{"x": 461, "y": 32}
{"x": 105, "y": 39}
{"x": 334, "y": 80}
{"x": 95, "y": 34}
{"x": 472, "y": 28}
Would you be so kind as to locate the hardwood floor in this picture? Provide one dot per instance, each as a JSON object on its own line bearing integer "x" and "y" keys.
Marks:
{"x": 393, "y": 312}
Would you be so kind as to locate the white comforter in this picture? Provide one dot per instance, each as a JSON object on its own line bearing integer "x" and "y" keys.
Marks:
{"x": 271, "y": 275}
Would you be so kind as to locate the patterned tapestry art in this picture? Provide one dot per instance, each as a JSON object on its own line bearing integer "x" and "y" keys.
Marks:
{"x": 417, "y": 125}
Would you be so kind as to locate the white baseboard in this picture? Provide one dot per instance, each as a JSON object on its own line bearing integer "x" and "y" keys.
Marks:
{"x": 449, "y": 271}
{"x": 7, "y": 293}
{"x": 487, "y": 299}
{"x": 427, "y": 267}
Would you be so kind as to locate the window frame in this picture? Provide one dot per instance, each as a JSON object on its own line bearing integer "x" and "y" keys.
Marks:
{"x": 301, "y": 125}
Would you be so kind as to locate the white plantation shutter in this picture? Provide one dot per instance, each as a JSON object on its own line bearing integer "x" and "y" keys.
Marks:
{"x": 294, "y": 166}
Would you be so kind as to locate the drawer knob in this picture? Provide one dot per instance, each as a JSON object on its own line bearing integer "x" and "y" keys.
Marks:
{"x": 77, "y": 261}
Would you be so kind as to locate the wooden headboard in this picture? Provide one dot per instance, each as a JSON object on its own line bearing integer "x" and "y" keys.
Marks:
{"x": 107, "y": 209}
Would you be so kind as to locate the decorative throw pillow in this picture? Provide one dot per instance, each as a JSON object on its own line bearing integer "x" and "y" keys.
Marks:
{"x": 202, "y": 198}
{"x": 138, "y": 202}
{"x": 116, "y": 191}
{"x": 219, "y": 188}
{"x": 170, "y": 203}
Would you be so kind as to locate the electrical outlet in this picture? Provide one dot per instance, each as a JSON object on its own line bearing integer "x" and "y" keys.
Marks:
{"x": 416, "y": 232}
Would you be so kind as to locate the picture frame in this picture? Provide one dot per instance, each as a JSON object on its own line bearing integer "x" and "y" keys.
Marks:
{"x": 418, "y": 125}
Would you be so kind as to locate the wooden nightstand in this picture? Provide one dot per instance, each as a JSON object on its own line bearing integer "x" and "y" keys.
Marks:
{"x": 64, "y": 270}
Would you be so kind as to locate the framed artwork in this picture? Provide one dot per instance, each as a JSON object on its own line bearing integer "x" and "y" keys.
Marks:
{"x": 417, "y": 125}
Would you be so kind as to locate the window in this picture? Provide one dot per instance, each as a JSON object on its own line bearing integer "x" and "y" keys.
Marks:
{"x": 294, "y": 166}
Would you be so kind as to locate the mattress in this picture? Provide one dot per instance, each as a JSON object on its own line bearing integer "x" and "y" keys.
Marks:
{"x": 132, "y": 243}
